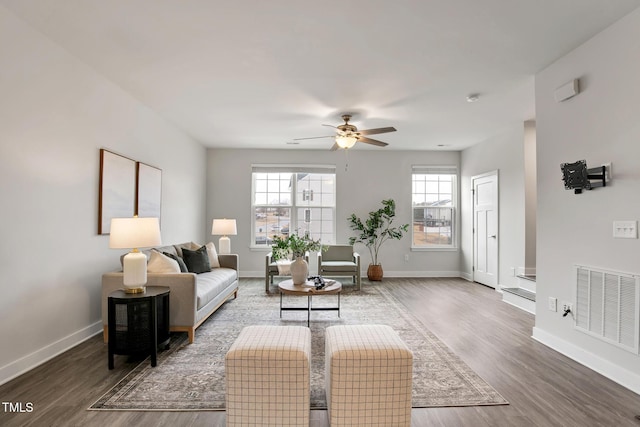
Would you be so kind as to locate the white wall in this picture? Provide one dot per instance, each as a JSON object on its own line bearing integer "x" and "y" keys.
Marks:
{"x": 373, "y": 175}
{"x": 599, "y": 125}
{"x": 530, "y": 196}
{"x": 504, "y": 153}
{"x": 56, "y": 113}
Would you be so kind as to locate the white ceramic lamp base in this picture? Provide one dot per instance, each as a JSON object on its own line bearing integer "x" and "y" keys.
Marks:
{"x": 224, "y": 245}
{"x": 134, "y": 266}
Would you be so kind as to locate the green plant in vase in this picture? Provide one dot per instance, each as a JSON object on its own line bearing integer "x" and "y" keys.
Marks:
{"x": 374, "y": 231}
{"x": 297, "y": 246}
{"x": 280, "y": 248}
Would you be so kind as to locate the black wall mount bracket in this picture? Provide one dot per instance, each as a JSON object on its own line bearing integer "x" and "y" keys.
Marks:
{"x": 577, "y": 176}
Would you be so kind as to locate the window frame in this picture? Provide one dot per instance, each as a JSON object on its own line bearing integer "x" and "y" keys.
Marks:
{"x": 455, "y": 206}
{"x": 295, "y": 205}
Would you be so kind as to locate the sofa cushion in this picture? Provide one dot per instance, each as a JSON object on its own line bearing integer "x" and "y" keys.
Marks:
{"x": 212, "y": 283}
{"x": 339, "y": 265}
{"x": 161, "y": 249}
{"x": 188, "y": 245}
{"x": 159, "y": 263}
{"x": 338, "y": 253}
{"x": 169, "y": 249}
{"x": 180, "y": 261}
{"x": 213, "y": 255}
{"x": 197, "y": 261}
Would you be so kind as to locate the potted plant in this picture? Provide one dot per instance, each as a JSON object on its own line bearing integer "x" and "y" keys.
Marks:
{"x": 376, "y": 230}
{"x": 297, "y": 246}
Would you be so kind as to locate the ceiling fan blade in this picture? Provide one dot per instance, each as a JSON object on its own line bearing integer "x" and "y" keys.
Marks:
{"x": 314, "y": 137}
{"x": 335, "y": 147}
{"x": 372, "y": 141}
{"x": 377, "y": 130}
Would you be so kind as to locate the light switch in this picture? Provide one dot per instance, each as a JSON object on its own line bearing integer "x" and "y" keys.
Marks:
{"x": 625, "y": 229}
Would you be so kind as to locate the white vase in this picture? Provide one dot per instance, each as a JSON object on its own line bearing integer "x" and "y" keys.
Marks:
{"x": 299, "y": 271}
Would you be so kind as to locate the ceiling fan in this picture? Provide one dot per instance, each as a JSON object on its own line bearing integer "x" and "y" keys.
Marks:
{"x": 347, "y": 135}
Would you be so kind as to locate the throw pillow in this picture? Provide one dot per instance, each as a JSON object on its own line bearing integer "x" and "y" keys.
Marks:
{"x": 213, "y": 255}
{"x": 197, "y": 261}
{"x": 183, "y": 266}
{"x": 187, "y": 245}
{"x": 159, "y": 263}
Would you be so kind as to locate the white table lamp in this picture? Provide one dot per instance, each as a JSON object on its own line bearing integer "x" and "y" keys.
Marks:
{"x": 134, "y": 233}
{"x": 224, "y": 227}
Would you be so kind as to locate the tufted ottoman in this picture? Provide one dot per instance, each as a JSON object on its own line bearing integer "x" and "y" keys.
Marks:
{"x": 368, "y": 376}
{"x": 267, "y": 377}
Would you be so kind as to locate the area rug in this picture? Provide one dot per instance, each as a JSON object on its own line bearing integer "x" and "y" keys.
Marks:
{"x": 191, "y": 377}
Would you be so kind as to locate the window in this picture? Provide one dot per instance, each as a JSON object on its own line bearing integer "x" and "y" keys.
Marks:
{"x": 293, "y": 198}
{"x": 433, "y": 196}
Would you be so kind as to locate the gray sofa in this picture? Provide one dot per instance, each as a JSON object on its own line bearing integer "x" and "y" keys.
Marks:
{"x": 193, "y": 297}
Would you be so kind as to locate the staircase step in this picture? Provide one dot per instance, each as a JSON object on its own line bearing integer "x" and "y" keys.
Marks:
{"x": 527, "y": 282}
{"x": 531, "y": 296}
{"x": 521, "y": 298}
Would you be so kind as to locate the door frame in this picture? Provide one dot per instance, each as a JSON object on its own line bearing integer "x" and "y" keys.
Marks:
{"x": 495, "y": 173}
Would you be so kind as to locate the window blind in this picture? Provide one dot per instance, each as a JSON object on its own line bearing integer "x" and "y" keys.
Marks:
{"x": 435, "y": 170}
{"x": 297, "y": 168}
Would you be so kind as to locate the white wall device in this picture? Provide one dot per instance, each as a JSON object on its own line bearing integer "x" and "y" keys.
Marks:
{"x": 567, "y": 90}
{"x": 625, "y": 229}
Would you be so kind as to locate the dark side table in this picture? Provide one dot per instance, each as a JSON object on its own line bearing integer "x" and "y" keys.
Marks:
{"x": 138, "y": 323}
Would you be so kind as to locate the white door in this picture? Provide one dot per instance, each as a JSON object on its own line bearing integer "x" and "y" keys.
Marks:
{"x": 485, "y": 226}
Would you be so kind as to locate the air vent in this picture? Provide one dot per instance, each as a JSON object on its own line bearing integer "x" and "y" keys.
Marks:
{"x": 608, "y": 306}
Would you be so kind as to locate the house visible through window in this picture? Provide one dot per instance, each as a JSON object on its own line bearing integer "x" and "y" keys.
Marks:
{"x": 290, "y": 199}
{"x": 433, "y": 196}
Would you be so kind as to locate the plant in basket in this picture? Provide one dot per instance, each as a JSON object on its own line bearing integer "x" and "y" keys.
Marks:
{"x": 374, "y": 231}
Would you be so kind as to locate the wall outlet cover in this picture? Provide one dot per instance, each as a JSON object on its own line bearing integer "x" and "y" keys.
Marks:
{"x": 625, "y": 229}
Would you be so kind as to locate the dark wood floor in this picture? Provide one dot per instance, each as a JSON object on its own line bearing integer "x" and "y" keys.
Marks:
{"x": 543, "y": 387}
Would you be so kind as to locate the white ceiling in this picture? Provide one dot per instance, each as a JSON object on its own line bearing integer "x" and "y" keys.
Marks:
{"x": 259, "y": 73}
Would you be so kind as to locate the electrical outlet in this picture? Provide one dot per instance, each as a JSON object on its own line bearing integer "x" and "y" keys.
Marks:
{"x": 406, "y": 257}
{"x": 513, "y": 271}
{"x": 553, "y": 304}
{"x": 567, "y": 305}
{"x": 625, "y": 229}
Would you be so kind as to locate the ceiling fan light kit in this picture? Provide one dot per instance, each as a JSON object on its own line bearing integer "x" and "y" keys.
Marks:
{"x": 347, "y": 135}
{"x": 346, "y": 141}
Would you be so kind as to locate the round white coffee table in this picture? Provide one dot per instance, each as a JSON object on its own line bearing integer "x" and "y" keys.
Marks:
{"x": 308, "y": 289}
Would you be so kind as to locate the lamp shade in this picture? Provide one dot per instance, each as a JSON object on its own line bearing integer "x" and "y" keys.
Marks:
{"x": 224, "y": 227}
{"x": 346, "y": 141}
{"x": 129, "y": 233}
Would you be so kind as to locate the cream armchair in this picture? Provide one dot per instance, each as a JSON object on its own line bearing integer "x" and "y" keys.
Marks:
{"x": 340, "y": 260}
{"x": 271, "y": 269}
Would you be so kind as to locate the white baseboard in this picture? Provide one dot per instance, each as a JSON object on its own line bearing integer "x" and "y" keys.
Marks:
{"x": 389, "y": 274}
{"x": 604, "y": 367}
{"x": 38, "y": 357}
{"x": 521, "y": 303}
